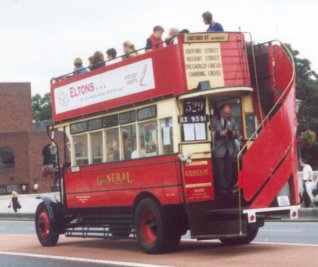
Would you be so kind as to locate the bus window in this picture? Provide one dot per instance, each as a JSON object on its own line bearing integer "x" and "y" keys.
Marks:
{"x": 128, "y": 140}
{"x": 80, "y": 144}
{"x": 148, "y": 140}
{"x": 97, "y": 147}
{"x": 250, "y": 121}
{"x": 166, "y": 136}
{"x": 112, "y": 140}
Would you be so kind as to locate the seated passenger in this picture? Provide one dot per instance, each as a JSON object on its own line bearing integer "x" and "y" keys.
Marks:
{"x": 115, "y": 148}
{"x": 173, "y": 32}
{"x": 129, "y": 50}
{"x": 111, "y": 53}
{"x": 213, "y": 26}
{"x": 97, "y": 60}
{"x": 155, "y": 40}
{"x": 78, "y": 66}
{"x": 184, "y": 31}
{"x": 136, "y": 154}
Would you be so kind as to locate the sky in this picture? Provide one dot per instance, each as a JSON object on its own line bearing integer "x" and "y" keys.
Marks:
{"x": 41, "y": 38}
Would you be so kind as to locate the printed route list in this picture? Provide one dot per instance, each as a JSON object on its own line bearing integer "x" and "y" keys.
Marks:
{"x": 203, "y": 62}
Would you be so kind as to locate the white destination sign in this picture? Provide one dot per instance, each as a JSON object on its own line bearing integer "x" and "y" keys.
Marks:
{"x": 133, "y": 78}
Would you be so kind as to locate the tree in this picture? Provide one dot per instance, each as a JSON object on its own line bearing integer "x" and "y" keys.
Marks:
{"x": 307, "y": 92}
{"x": 41, "y": 107}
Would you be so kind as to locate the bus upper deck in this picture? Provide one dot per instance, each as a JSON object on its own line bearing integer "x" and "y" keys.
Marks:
{"x": 198, "y": 62}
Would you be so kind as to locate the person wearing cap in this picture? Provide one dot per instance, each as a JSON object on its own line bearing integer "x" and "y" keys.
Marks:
{"x": 155, "y": 40}
{"x": 213, "y": 26}
{"x": 78, "y": 66}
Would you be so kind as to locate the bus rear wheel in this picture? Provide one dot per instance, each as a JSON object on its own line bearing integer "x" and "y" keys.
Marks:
{"x": 153, "y": 229}
{"x": 44, "y": 227}
{"x": 252, "y": 233}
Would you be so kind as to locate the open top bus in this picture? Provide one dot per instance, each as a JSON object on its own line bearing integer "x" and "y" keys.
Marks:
{"x": 138, "y": 144}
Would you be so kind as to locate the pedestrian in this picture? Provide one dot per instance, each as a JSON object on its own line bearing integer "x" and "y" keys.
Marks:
{"x": 225, "y": 132}
{"x": 213, "y": 26}
{"x": 155, "y": 40}
{"x": 14, "y": 202}
{"x": 308, "y": 184}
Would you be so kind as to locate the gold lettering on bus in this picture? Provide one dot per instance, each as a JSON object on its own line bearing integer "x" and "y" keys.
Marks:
{"x": 197, "y": 172}
{"x": 114, "y": 178}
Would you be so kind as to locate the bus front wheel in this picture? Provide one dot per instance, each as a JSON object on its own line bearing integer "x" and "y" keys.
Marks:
{"x": 153, "y": 230}
{"x": 44, "y": 227}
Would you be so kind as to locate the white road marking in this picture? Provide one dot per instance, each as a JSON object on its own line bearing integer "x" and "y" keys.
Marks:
{"x": 286, "y": 244}
{"x": 86, "y": 260}
{"x": 256, "y": 242}
{"x": 281, "y": 230}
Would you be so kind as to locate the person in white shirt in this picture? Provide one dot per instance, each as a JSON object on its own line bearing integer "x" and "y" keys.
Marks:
{"x": 308, "y": 181}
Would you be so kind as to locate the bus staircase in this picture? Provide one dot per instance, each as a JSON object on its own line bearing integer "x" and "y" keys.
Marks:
{"x": 267, "y": 160}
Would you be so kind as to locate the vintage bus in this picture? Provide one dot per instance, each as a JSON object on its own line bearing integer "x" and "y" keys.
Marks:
{"x": 138, "y": 144}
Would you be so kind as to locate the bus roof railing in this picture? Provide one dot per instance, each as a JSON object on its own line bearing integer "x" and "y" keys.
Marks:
{"x": 73, "y": 73}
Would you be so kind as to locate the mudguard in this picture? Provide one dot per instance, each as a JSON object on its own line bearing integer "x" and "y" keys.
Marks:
{"x": 56, "y": 213}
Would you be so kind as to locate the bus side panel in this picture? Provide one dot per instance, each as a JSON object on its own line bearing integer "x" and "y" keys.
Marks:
{"x": 118, "y": 184}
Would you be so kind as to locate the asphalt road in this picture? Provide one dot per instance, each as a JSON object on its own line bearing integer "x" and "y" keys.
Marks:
{"x": 16, "y": 233}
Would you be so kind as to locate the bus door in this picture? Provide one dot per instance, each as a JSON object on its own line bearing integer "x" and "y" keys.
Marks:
{"x": 208, "y": 215}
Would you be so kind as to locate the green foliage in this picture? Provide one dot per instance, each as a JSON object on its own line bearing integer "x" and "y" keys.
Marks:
{"x": 307, "y": 92}
{"x": 41, "y": 107}
{"x": 308, "y": 138}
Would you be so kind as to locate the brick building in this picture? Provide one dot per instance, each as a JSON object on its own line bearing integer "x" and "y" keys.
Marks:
{"x": 20, "y": 145}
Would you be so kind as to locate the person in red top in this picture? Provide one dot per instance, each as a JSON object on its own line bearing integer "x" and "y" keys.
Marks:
{"x": 155, "y": 40}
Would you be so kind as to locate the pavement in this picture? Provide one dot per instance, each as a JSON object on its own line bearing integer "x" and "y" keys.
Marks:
{"x": 30, "y": 202}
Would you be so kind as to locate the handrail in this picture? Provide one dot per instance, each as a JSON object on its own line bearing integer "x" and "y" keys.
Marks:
{"x": 256, "y": 80}
{"x": 273, "y": 108}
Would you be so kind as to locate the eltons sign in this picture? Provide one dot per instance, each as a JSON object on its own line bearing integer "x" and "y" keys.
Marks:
{"x": 133, "y": 78}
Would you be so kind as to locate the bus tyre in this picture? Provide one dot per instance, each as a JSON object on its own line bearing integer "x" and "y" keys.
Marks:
{"x": 241, "y": 240}
{"x": 152, "y": 228}
{"x": 44, "y": 227}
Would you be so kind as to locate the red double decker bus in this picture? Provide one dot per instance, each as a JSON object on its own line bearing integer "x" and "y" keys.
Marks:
{"x": 137, "y": 155}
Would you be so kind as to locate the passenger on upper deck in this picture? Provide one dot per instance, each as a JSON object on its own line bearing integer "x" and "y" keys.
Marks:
{"x": 173, "y": 32}
{"x": 184, "y": 31}
{"x": 129, "y": 50}
{"x": 78, "y": 66}
{"x": 213, "y": 26}
{"x": 111, "y": 53}
{"x": 97, "y": 60}
{"x": 155, "y": 40}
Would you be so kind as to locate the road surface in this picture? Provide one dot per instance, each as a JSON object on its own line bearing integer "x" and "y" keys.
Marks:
{"x": 286, "y": 244}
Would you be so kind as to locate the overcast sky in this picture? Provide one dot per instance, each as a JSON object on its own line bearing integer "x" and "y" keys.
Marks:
{"x": 41, "y": 38}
